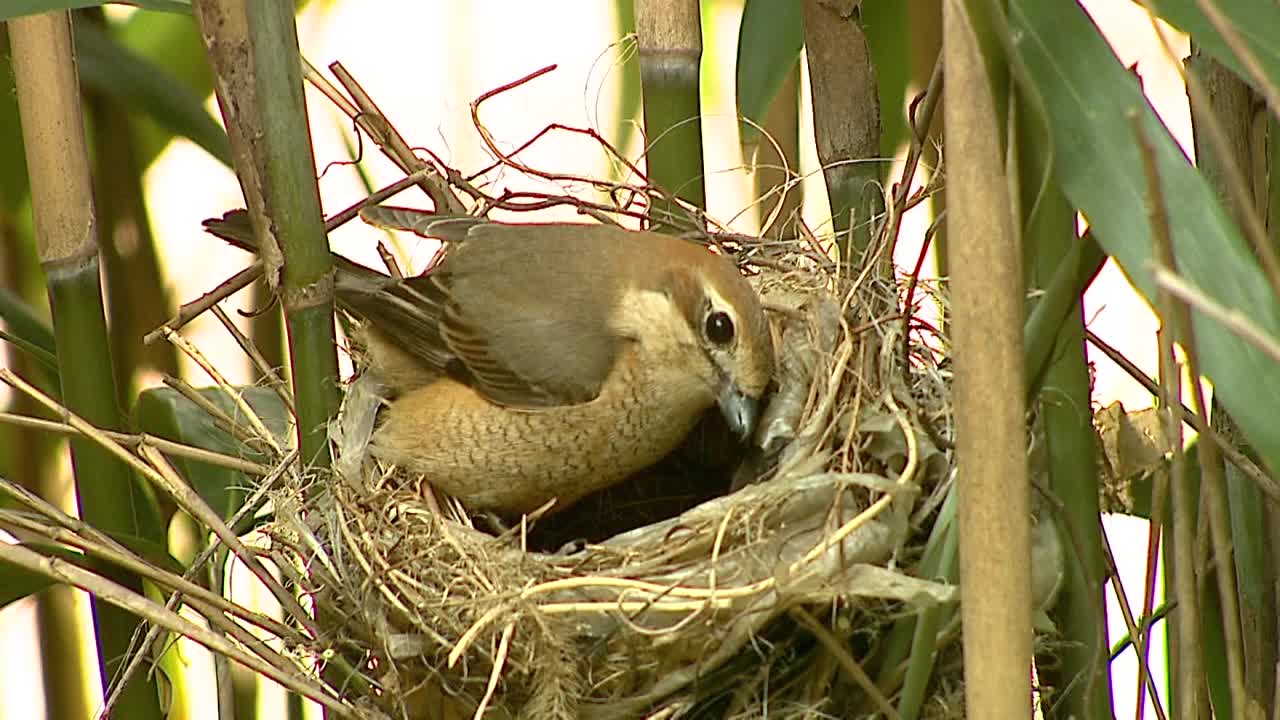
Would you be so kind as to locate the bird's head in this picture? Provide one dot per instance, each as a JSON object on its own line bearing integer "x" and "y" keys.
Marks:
{"x": 708, "y": 319}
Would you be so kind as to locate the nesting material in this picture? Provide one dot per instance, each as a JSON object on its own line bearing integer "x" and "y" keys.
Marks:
{"x": 718, "y": 606}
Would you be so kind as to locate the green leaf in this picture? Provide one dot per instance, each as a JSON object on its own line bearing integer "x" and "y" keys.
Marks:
{"x": 769, "y": 42}
{"x": 1214, "y": 642}
{"x": 1089, "y": 99}
{"x": 14, "y": 187}
{"x": 107, "y": 66}
{"x": 889, "y": 30}
{"x": 17, "y": 582}
{"x": 940, "y": 562}
{"x": 26, "y": 329}
{"x": 1256, "y": 23}
{"x": 1044, "y": 324}
{"x": 165, "y": 413}
{"x": 172, "y": 42}
{"x": 18, "y": 8}
{"x": 154, "y": 553}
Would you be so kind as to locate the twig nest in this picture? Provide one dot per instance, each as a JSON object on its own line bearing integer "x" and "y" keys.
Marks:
{"x": 445, "y": 620}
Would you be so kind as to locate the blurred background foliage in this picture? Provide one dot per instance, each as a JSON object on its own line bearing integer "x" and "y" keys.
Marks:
{"x": 834, "y": 79}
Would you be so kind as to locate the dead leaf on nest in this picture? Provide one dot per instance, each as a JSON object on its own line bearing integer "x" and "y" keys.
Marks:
{"x": 1133, "y": 443}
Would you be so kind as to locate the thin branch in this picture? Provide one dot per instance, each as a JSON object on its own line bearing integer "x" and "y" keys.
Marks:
{"x": 180, "y": 491}
{"x": 170, "y": 447}
{"x": 261, "y": 431}
{"x": 1137, "y": 635}
{"x": 1233, "y": 319}
{"x": 130, "y": 561}
{"x": 250, "y": 348}
{"x": 193, "y": 309}
{"x": 388, "y": 139}
{"x": 250, "y": 506}
{"x": 922, "y": 111}
{"x": 839, "y": 650}
{"x": 62, "y": 571}
{"x": 220, "y": 418}
{"x": 1190, "y": 678}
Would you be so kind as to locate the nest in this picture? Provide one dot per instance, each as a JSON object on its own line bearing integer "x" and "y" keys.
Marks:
{"x": 748, "y": 600}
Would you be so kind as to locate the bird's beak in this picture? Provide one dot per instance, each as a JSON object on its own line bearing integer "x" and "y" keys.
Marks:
{"x": 740, "y": 410}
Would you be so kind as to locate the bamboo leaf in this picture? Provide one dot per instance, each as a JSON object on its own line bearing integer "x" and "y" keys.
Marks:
{"x": 18, "y": 8}
{"x": 173, "y": 42}
{"x": 165, "y": 413}
{"x": 153, "y": 552}
{"x": 109, "y": 67}
{"x": 25, "y": 327}
{"x": 769, "y": 42}
{"x": 17, "y": 583}
{"x": 1215, "y": 650}
{"x": 1044, "y": 324}
{"x": 890, "y": 33}
{"x": 13, "y": 171}
{"x": 1089, "y": 98}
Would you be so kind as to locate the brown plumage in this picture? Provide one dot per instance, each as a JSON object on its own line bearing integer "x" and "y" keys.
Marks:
{"x": 549, "y": 361}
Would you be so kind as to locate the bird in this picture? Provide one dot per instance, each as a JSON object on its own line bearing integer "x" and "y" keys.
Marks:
{"x": 540, "y": 362}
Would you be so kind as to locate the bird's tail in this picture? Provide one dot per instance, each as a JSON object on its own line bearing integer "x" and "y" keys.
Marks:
{"x": 405, "y": 312}
{"x": 235, "y": 228}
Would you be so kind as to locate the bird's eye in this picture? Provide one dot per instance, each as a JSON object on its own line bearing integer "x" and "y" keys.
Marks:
{"x": 719, "y": 328}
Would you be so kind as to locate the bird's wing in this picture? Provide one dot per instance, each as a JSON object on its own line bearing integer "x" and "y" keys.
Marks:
{"x": 520, "y": 313}
{"x": 405, "y": 313}
{"x": 527, "y": 313}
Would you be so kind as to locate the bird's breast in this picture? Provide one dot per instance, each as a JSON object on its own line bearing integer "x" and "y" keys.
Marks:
{"x": 495, "y": 457}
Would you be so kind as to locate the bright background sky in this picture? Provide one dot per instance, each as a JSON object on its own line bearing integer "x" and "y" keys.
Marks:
{"x": 423, "y": 63}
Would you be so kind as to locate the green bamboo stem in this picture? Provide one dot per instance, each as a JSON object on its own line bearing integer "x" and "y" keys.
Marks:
{"x": 293, "y": 203}
{"x": 1067, "y": 416}
{"x": 262, "y": 105}
{"x": 28, "y": 456}
{"x": 629, "y": 88}
{"x": 66, "y": 232}
{"x": 669, "y": 33}
{"x": 262, "y": 99}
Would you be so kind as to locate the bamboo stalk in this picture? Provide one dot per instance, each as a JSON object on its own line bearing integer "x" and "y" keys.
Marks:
{"x": 669, "y": 34}
{"x": 1222, "y": 116}
{"x": 846, "y": 125}
{"x": 1189, "y": 697}
{"x": 994, "y": 512}
{"x": 67, "y": 235}
{"x": 262, "y": 104}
